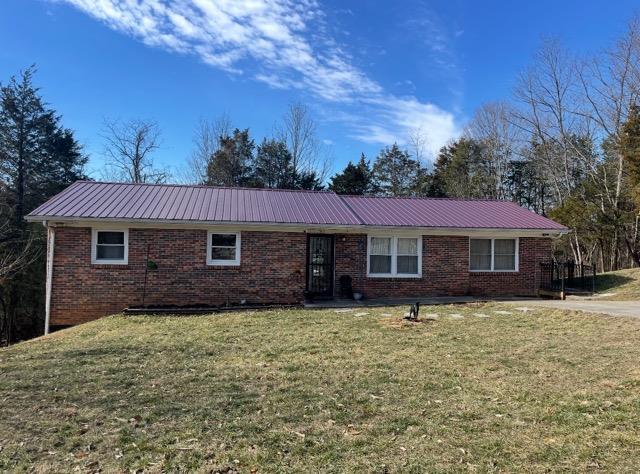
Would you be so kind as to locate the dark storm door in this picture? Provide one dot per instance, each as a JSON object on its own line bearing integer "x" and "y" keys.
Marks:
{"x": 320, "y": 265}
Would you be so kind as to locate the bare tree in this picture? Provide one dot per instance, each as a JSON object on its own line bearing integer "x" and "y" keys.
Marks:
{"x": 129, "y": 147}
{"x": 492, "y": 126}
{"x": 299, "y": 131}
{"x": 547, "y": 94}
{"x": 15, "y": 252}
{"x": 610, "y": 87}
{"x": 547, "y": 114}
{"x": 206, "y": 142}
{"x": 18, "y": 250}
{"x": 572, "y": 113}
{"x": 418, "y": 144}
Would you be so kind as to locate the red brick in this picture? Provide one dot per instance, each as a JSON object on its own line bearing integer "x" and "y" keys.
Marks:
{"x": 272, "y": 270}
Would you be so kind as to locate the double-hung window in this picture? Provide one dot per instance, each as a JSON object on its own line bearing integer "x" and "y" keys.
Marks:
{"x": 110, "y": 247}
{"x": 380, "y": 255}
{"x": 223, "y": 248}
{"x": 394, "y": 256}
{"x": 493, "y": 255}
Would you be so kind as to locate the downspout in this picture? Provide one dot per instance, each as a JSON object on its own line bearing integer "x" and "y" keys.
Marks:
{"x": 51, "y": 240}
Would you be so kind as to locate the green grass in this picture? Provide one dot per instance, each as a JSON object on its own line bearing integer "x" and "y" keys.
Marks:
{"x": 293, "y": 390}
{"x": 619, "y": 285}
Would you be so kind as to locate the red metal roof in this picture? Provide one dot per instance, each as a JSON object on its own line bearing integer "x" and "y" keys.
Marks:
{"x": 124, "y": 201}
{"x": 90, "y": 200}
{"x": 454, "y": 213}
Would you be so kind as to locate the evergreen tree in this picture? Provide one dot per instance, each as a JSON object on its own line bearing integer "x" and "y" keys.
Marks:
{"x": 629, "y": 146}
{"x": 232, "y": 164}
{"x": 273, "y": 165}
{"x": 434, "y": 184}
{"x": 395, "y": 173}
{"x": 308, "y": 180}
{"x": 525, "y": 185}
{"x": 38, "y": 158}
{"x": 461, "y": 170}
{"x": 629, "y": 209}
{"x": 355, "y": 179}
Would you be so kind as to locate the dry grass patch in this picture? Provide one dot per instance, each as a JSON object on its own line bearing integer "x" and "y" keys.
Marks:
{"x": 619, "y": 285}
{"x": 314, "y": 390}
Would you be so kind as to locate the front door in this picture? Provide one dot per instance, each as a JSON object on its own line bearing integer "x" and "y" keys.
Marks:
{"x": 320, "y": 265}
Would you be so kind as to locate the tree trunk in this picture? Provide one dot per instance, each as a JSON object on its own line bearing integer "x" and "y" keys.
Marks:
{"x": 635, "y": 254}
{"x": 21, "y": 175}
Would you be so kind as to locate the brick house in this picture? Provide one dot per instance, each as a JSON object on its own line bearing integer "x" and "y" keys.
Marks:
{"x": 112, "y": 246}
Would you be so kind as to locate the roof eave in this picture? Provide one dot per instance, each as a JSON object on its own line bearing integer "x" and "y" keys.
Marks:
{"x": 299, "y": 226}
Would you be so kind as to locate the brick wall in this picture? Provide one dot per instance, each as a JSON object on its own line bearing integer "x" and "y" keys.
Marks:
{"x": 525, "y": 282}
{"x": 272, "y": 270}
{"x": 445, "y": 269}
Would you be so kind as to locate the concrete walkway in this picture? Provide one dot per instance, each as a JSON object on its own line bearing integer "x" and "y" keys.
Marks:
{"x": 613, "y": 308}
{"x": 424, "y": 301}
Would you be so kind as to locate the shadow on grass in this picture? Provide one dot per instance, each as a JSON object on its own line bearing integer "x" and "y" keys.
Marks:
{"x": 611, "y": 282}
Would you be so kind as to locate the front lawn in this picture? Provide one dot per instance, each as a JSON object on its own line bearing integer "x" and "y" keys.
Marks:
{"x": 315, "y": 390}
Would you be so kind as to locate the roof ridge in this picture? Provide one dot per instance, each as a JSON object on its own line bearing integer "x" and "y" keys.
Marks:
{"x": 426, "y": 198}
{"x": 205, "y": 186}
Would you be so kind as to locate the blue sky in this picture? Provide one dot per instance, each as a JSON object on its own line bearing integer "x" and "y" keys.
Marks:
{"x": 369, "y": 71}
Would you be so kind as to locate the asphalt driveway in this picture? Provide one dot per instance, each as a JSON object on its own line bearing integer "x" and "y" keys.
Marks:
{"x": 614, "y": 308}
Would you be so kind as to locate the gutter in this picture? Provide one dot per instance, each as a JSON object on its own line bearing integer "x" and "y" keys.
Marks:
{"x": 293, "y": 227}
{"x": 51, "y": 241}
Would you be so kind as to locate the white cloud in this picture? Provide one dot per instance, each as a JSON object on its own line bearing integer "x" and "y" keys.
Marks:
{"x": 270, "y": 41}
{"x": 439, "y": 37}
{"x": 406, "y": 115}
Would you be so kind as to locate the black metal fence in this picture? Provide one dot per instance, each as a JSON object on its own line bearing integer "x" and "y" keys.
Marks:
{"x": 568, "y": 277}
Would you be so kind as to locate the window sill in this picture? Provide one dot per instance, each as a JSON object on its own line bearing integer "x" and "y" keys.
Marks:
{"x": 494, "y": 271}
{"x": 109, "y": 263}
{"x": 222, "y": 263}
{"x": 390, "y": 276}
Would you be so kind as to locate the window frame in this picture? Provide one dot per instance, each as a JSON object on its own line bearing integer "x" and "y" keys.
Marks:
{"x": 394, "y": 256}
{"x": 108, "y": 261}
{"x": 493, "y": 254}
{"x": 223, "y": 263}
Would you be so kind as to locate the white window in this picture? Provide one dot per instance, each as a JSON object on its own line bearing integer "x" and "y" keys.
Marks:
{"x": 223, "y": 248}
{"x": 110, "y": 246}
{"x": 394, "y": 256}
{"x": 493, "y": 255}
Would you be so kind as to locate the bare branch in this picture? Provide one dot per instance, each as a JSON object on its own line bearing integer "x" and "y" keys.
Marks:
{"x": 419, "y": 145}
{"x": 129, "y": 147}
{"x": 206, "y": 142}
{"x": 493, "y": 127}
{"x": 298, "y": 131}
